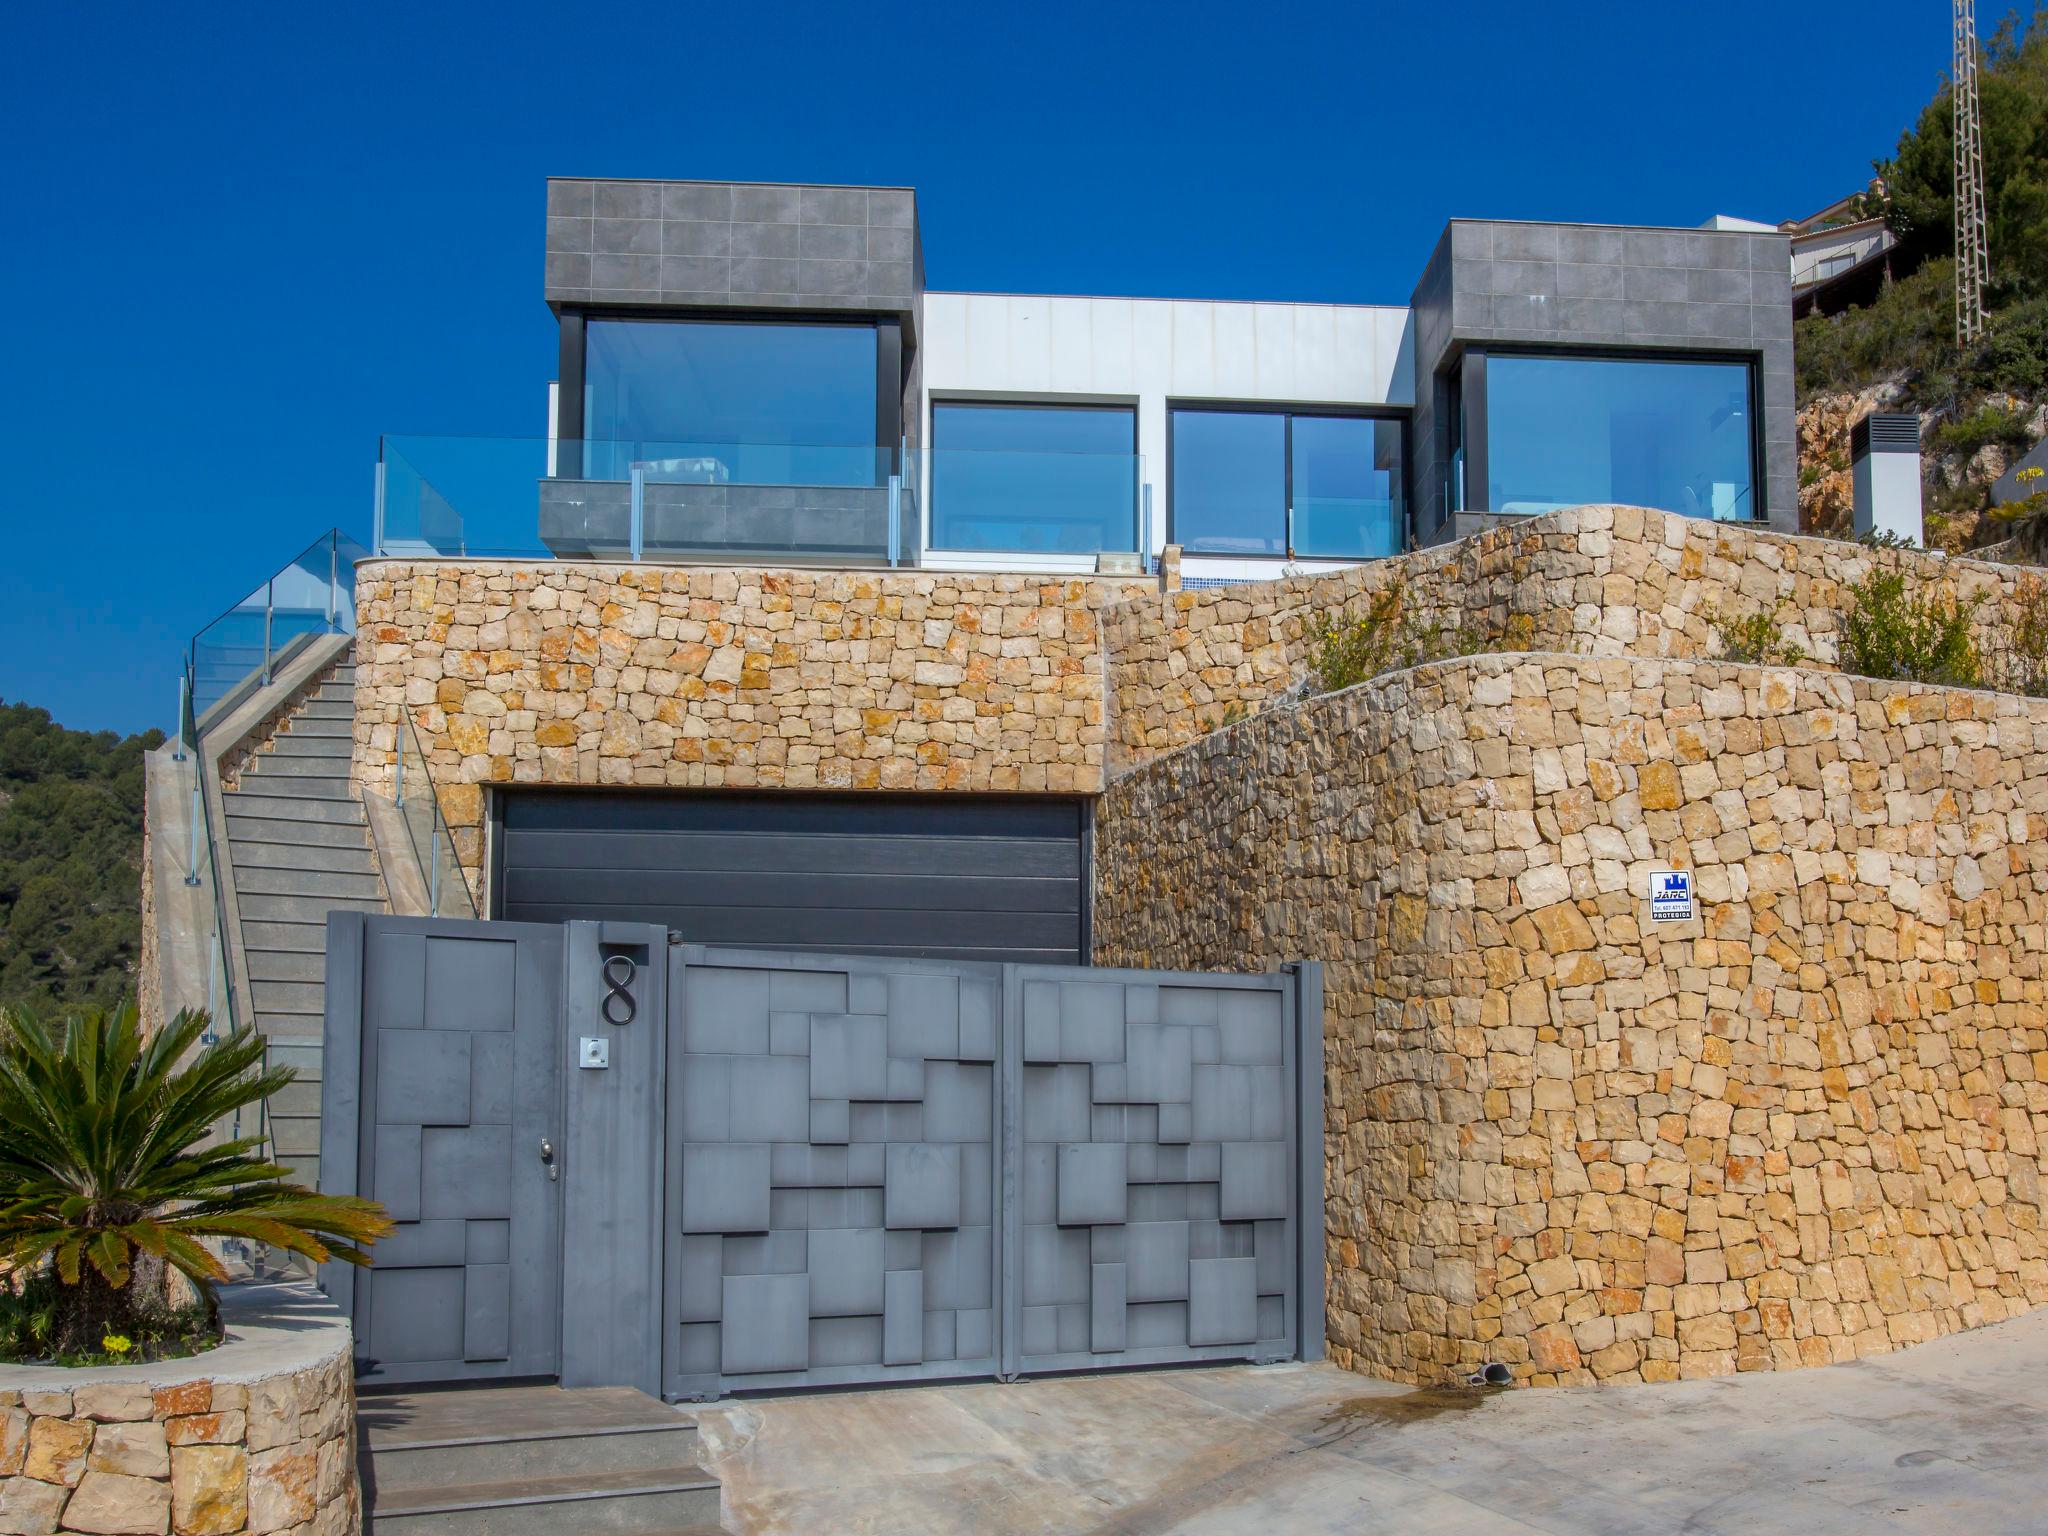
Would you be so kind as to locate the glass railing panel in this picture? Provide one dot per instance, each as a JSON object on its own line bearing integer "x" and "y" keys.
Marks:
{"x": 433, "y": 843}
{"x": 1347, "y": 528}
{"x": 583, "y": 499}
{"x": 1016, "y": 501}
{"x": 313, "y": 594}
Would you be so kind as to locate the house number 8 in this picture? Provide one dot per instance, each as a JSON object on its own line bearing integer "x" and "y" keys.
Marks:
{"x": 618, "y": 978}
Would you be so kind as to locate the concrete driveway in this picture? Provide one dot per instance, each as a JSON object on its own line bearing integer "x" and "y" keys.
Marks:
{"x": 1949, "y": 1437}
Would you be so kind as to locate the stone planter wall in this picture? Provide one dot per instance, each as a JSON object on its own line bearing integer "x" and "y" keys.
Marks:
{"x": 1597, "y": 581}
{"x": 564, "y": 673}
{"x": 1804, "y": 1127}
{"x": 254, "y": 1437}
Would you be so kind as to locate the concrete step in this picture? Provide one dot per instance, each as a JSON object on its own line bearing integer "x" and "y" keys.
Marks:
{"x": 253, "y": 853}
{"x": 303, "y": 937}
{"x": 564, "y": 1453}
{"x": 302, "y": 909}
{"x": 286, "y": 785}
{"x": 327, "y": 709}
{"x": 270, "y": 880}
{"x": 286, "y": 965}
{"x": 309, "y": 757}
{"x": 321, "y": 728}
{"x": 283, "y": 997}
{"x": 293, "y": 807}
{"x": 506, "y": 1461}
{"x": 294, "y": 831}
{"x": 646, "y": 1500}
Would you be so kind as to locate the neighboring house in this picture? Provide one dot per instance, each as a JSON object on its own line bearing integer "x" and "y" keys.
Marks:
{"x": 796, "y": 529}
{"x": 1842, "y": 256}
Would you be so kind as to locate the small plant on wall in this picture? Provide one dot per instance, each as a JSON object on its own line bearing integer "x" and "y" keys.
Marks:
{"x": 112, "y": 1176}
{"x": 1386, "y": 637}
{"x": 1891, "y": 629}
{"x": 2019, "y": 660}
{"x": 1756, "y": 639}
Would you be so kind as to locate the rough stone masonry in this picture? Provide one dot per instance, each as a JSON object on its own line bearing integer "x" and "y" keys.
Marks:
{"x": 1802, "y": 1127}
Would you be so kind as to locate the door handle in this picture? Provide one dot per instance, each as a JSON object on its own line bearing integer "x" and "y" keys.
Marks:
{"x": 547, "y": 1156}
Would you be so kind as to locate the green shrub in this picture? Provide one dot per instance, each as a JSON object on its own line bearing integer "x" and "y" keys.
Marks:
{"x": 1386, "y": 637}
{"x": 1756, "y": 639}
{"x": 110, "y": 1173}
{"x": 1982, "y": 427}
{"x": 2026, "y": 520}
{"x": 1890, "y": 630}
{"x": 2020, "y": 661}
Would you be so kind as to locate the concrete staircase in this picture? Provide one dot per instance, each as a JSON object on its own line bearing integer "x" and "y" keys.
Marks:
{"x": 298, "y": 845}
{"x": 520, "y": 1461}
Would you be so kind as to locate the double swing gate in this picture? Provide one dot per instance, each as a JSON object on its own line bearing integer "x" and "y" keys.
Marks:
{"x": 617, "y": 1159}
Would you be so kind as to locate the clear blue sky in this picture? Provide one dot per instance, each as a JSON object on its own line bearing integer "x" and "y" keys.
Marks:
{"x": 241, "y": 241}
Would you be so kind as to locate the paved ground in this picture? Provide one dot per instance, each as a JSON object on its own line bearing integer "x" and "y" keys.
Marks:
{"x": 1950, "y": 1437}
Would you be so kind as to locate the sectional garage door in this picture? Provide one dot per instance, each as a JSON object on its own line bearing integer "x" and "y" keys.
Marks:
{"x": 937, "y": 877}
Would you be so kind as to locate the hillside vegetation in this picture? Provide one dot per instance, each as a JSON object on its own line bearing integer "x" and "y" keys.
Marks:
{"x": 1980, "y": 406}
{"x": 70, "y": 860}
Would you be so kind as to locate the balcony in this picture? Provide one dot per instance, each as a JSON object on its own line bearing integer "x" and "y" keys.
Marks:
{"x": 753, "y": 503}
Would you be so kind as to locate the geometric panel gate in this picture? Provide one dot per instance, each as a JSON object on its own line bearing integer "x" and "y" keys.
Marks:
{"x": 803, "y": 1170}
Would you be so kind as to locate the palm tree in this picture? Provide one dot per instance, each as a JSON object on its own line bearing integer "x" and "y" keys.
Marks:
{"x": 106, "y": 1171}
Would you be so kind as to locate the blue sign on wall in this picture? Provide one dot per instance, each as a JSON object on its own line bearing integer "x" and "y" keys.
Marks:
{"x": 1671, "y": 895}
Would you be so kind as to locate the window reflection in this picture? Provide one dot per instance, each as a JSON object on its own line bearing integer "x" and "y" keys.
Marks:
{"x": 1040, "y": 478}
{"x": 1237, "y": 474}
{"x": 1575, "y": 431}
{"x": 708, "y": 402}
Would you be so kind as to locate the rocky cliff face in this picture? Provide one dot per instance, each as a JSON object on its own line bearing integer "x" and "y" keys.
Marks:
{"x": 1956, "y": 480}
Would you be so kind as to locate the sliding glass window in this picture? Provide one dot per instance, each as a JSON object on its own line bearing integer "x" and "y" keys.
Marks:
{"x": 1052, "y": 479}
{"x": 1562, "y": 431}
{"x": 1286, "y": 483}
{"x": 731, "y": 402}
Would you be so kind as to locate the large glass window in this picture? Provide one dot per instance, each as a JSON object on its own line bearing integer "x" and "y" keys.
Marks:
{"x": 1573, "y": 431}
{"x": 1281, "y": 483}
{"x": 716, "y": 402}
{"x": 1040, "y": 478}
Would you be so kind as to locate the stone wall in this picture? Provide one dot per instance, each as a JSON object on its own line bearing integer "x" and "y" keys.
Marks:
{"x": 1804, "y": 1127}
{"x": 1597, "y": 581}
{"x": 254, "y": 1437}
{"x": 560, "y": 673}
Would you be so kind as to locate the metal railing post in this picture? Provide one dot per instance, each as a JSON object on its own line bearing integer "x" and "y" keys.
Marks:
{"x": 269, "y": 611}
{"x": 377, "y": 514}
{"x": 192, "y": 831}
{"x": 333, "y": 573}
{"x": 398, "y": 789}
{"x": 184, "y": 686}
{"x": 637, "y": 528}
{"x": 434, "y": 861}
{"x": 895, "y": 519}
{"x": 1145, "y": 526}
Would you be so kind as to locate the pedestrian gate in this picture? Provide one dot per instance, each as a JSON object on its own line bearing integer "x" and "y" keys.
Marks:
{"x": 624, "y": 1160}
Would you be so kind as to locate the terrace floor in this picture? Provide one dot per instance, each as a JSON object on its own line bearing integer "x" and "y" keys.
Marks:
{"x": 1947, "y": 1437}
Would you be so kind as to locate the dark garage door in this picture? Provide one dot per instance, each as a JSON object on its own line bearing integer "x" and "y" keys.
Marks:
{"x": 981, "y": 878}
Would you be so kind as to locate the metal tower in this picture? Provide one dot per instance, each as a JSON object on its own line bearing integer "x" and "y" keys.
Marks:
{"x": 1973, "y": 255}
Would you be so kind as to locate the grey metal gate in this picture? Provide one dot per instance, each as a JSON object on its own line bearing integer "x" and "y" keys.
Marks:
{"x": 796, "y": 1170}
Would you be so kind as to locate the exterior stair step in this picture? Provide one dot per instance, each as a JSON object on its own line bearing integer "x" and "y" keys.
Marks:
{"x": 321, "y": 728}
{"x": 288, "y": 785}
{"x": 247, "y": 826}
{"x": 255, "y": 853}
{"x": 303, "y": 938}
{"x": 242, "y": 802}
{"x": 270, "y": 880}
{"x": 286, "y": 965}
{"x": 303, "y": 909}
{"x": 509, "y": 1461}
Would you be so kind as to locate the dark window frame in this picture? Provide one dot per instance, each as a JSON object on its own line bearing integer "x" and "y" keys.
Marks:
{"x": 891, "y": 362}
{"x": 1476, "y": 425}
{"x": 942, "y": 401}
{"x": 1288, "y": 410}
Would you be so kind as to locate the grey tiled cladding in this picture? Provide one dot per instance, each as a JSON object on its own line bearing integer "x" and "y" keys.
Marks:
{"x": 838, "y": 1168}
{"x": 710, "y": 244}
{"x": 1574, "y": 285}
{"x": 1155, "y": 1184}
{"x": 852, "y": 1120}
{"x": 585, "y": 518}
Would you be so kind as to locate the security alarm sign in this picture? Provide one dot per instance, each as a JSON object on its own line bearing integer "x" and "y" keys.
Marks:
{"x": 1671, "y": 896}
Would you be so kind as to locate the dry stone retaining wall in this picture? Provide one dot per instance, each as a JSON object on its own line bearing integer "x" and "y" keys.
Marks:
{"x": 564, "y": 673}
{"x": 1804, "y": 1127}
{"x": 1597, "y": 581}
{"x": 186, "y": 1448}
